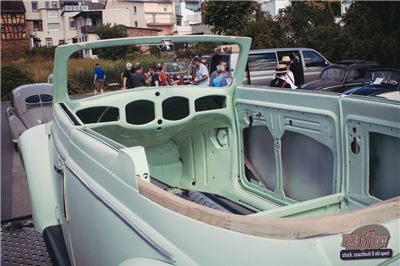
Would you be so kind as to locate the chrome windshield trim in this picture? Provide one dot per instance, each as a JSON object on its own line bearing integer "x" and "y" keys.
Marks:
{"x": 160, "y": 250}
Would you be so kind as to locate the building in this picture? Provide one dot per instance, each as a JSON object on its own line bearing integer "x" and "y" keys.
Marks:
{"x": 14, "y": 37}
{"x": 55, "y": 22}
{"x": 273, "y": 6}
{"x": 51, "y": 23}
{"x": 152, "y": 14}
{"x": 188, "y": 17}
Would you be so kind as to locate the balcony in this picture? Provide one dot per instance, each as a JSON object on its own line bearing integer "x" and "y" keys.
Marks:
{"x": 88, "y": 29}
{"x": 160, "y": 21}
{"x": 74, "y": 8}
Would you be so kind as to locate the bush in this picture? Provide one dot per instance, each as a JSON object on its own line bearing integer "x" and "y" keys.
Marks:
{"x": 43, "y": 52}
{"x": 12, "y": 77}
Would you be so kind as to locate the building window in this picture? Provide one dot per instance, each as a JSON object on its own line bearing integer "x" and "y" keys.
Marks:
{"x": 60, "y": 42}
{"x": 37, "y": 25}
{"x": 134, "y": 10}
{"x": 88, "y": 22}
{"x": 165, "y": 9}
{"x": 136, "y": 24}
{"x": 154, "y": 18}
{"x": 54, "y": 4}
{"x": 53, "y": 26}
{"x": 49, "y": 42}
{"x": 35, "y": 6}
{"x": 52, "y": 13}
{"x": 72, "y": 24}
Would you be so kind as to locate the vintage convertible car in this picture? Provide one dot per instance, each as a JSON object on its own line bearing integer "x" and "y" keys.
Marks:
{"x": 238, "y": 175}
{"x": 30, "y": 105}
{"x": 378, "y": 81}
{"x": 341, "y": 76}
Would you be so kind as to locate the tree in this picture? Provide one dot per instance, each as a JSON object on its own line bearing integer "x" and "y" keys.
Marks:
{"x": 373, "y": 31}
{"x": 311, "y": 24}
{"x": 12, "y": 77}
{"x": 229, "y": 17}
{"x": 107, "y": 31}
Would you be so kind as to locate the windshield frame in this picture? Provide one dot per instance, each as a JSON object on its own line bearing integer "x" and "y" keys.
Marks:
{"x": 63, "y": 53}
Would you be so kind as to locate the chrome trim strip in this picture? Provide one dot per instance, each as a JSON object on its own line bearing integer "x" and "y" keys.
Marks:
{"x": 114, "y": 145}
{"x": 78, "y": 123}
{"x": 160, "y": 250}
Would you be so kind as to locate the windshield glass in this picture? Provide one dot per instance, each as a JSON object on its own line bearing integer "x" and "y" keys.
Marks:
{"x": 378, "y": 77}
{"x": 333, "y": 73}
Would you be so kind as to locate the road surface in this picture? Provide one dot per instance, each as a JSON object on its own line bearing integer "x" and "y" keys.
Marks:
{"x": 15, "y": 201}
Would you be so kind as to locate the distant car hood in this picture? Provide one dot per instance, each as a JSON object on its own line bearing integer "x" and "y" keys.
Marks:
{"x": 320, "y": 84}
{"x": 371, "y": 89}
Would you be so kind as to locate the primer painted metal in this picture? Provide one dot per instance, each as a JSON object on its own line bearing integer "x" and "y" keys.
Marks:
{"x": 22, "y": 115}
{"x": 84, "y": 176}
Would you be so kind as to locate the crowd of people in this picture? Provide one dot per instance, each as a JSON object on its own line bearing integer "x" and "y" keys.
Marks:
{"x": 134, "y": 76}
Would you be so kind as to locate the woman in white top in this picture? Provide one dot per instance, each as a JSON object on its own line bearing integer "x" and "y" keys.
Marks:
{"x": 289, "y": 77}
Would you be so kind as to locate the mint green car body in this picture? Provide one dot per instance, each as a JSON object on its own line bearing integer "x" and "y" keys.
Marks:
{"x": 84, "y": 177}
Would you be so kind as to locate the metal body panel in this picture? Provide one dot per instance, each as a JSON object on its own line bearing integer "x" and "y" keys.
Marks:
{"x": 86, "y": 177}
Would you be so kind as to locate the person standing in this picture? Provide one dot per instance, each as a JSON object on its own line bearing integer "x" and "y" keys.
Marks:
{"x": 280, "y": 77}
{"x": 221, "y": 80}
{"x": 126, "y": 76}
{"x": 50, "y": 77}
{"x": 98, "y": 80}
{"x": 155, "y": 78}
{"x": 289, "y": 77}
{"x": 202, "y": 74}
{"x": 138, "y": 78}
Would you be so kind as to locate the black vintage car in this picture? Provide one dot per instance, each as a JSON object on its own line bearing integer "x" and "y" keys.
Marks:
{"x": 341, "y": 76}
{"x": 379, "y": 80}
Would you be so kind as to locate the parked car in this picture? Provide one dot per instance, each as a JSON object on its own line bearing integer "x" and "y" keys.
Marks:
{"x": 307, "y": 64}
{"x": 378, "y": 81}
{"x": 30, "y": 105}
{"x": 179, "y": 72}
{"x": 194, "y": 175}
{"x": 393, "y": 95}
{"x": 341, "y": 76}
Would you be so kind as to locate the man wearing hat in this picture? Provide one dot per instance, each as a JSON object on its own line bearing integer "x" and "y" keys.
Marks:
{"x": 280, "y": 77}
{"x": 289, "y": 77}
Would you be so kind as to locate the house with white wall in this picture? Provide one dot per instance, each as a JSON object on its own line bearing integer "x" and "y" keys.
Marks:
{"x": 152, "y": 14}
{"x": 273, "y": 6}
{"x": 188, "y": 17}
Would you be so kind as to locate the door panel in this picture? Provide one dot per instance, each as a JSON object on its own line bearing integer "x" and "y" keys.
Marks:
{"x": 371, "y": 136}
{"x": 303, "y": 130}
{"x": 322, "y": 143}
{"x": 313, "y": 65}
{"x": 261, "y": 67}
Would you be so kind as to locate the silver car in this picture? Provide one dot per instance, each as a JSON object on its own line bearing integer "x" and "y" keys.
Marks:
{"x": 30, "y": 105}
{"x": 307, "y": 64}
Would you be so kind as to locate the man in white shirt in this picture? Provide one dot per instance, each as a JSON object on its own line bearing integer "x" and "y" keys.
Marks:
{"x": 202, "y": 75}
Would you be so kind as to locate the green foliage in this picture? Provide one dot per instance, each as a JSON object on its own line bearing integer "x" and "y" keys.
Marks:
{"x": 42, "y": 51}
{"x": 371, "y": 28}
{"x": 229, "y": 17}
{"x": 107, "y": 31}
{"x": 12, "y": 77}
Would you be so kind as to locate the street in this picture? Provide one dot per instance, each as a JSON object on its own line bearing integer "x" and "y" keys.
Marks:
{"x": 15, "y": 200}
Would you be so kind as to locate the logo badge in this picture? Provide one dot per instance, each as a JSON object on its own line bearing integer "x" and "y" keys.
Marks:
{"x": 367, "y": 242}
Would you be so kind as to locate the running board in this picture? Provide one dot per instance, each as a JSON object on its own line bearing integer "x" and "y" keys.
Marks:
{"x": 55, "y": 243}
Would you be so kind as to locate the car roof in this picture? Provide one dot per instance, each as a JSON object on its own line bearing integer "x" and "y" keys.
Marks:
{"x": 385, "y": 67}
{"x": 280, "y": 50}
{"x": 353, "y": 64}
{"x": 357, "y": 63}
{"x": 32, "y": 89}
{"x": 24, "y": 91}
